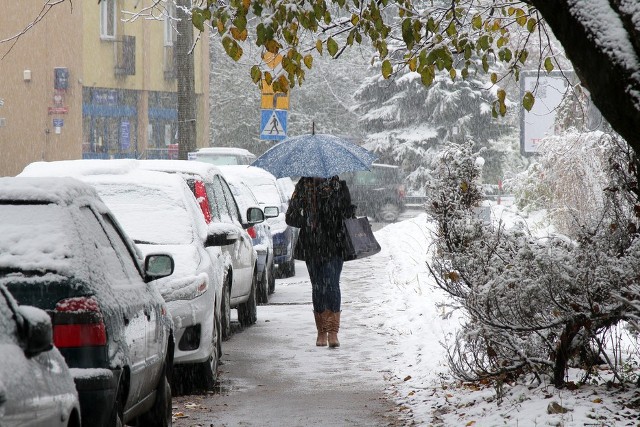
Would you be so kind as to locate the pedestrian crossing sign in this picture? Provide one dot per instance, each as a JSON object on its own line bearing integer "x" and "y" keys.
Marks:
{"x": 273, "y": 125}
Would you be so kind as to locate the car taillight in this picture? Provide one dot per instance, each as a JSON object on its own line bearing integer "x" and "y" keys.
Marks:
{"x": 203, "y": 200}
{"x": 401, "y": 192}
{"x": 78, "y": 322}
{"x": 252, "y": 232}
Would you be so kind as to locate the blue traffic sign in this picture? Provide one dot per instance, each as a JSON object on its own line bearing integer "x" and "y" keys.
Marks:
{"x": 273, "y": 124}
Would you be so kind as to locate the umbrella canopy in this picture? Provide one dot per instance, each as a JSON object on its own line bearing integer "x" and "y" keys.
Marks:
{"x": 315, "y": 155}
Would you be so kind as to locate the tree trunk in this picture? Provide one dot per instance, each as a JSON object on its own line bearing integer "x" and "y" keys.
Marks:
{"x": 593, "y": 48}
{"x": 186, "y": 87}
{"x": 563, "y": 352}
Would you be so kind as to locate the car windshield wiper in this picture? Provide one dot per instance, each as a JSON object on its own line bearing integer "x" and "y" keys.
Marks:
{"x": 143, "y": 242}
{"x": 5, "y": 271}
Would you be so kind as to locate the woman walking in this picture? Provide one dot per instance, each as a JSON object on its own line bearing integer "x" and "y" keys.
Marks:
{"x": 317, "y": 207}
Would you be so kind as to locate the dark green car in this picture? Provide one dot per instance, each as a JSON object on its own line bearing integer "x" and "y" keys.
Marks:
{"x": 62, "y": 251}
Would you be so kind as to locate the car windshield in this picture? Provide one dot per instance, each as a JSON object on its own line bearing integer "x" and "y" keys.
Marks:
{"x": 266, "y": 192}
{"x": 377, "y": 176}
{"x": 36, "y": 237}
{"x": 148, "y": 214}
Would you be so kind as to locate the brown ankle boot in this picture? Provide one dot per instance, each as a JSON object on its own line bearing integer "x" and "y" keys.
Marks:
{"x": 321, "y": 340}
{"x": 332, "y": 325}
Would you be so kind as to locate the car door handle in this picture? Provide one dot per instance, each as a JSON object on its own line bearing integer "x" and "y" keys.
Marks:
{"x": 126, "y": 320}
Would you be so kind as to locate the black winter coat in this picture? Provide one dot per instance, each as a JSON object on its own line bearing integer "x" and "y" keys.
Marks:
{"x": 318, "y": 210}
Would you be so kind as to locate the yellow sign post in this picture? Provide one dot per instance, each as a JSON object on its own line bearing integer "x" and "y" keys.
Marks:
{"x": 271, "y": 100}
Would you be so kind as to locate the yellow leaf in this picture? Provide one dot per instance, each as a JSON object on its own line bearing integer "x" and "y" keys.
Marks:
{"x": 597, "y": 400}
{"x": 470, "y": 423}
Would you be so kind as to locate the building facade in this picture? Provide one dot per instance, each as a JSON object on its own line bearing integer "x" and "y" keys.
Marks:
{"x": 90, "y": 81}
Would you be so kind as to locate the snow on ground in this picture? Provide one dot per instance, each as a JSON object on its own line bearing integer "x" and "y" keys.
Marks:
{"x": 419, "y": 379}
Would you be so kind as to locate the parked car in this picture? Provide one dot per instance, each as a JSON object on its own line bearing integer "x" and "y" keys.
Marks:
{"x": 64, "y": 252}
{"x": 378, "y": 192}
{"x": 36, "y": 387}
{"x": 261, "y": 238}
{"x": 220, "y": 210}
{"x": 159, "y": 212}
{"x": 265, "y": 187}
{"x": 223, "y": 156}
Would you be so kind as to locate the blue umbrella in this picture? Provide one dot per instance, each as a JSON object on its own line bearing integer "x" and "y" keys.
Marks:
{"x": 316, "y": 155}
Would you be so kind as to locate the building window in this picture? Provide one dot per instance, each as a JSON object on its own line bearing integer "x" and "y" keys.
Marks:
{"x": 108, "y": 19}
{"x": 170, "y": 24}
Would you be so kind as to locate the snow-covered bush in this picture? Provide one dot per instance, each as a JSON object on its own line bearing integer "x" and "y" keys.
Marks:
{"x": 566, "y": 178}
{"x": 532, "y": 304}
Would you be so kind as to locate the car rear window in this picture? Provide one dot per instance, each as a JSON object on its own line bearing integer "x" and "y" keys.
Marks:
{"x": 37, "y": 237}
{"x": 149, "y": 214}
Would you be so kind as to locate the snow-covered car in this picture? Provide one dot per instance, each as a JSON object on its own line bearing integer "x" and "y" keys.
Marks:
{"x": 261, "y": 238}
{"x": 36, "y": 387}
{"x": 63, "y": 251}
{"x": 223, "y": 156}
{"x": 265, "y": 187}
{"x": 220, "y": 210}
{"x": 159, "y": 212}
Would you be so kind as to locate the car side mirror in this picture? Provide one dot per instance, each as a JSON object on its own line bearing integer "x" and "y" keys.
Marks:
{"x": 271, "y": 212}
{"x": 35, "y": 330}
{"x": 254, "y": 216}
{"x": 157, "y": 266}
{"x": 220, "y": 234}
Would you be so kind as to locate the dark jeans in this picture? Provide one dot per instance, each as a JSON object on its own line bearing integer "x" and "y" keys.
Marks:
{"x": 325, "y": 283}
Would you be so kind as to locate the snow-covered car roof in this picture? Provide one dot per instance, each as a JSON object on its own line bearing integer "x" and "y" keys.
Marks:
{"x": 185, "y": 167}
{"x": 151, "y": 206}
{"x": 64, "y": 190}
{"x": 225, "y": 150}
{"x": 78, "y": 168}
{"x": 262, "y": 183}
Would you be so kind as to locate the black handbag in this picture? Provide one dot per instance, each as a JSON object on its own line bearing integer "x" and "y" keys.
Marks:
{"x": 359, "y": 241}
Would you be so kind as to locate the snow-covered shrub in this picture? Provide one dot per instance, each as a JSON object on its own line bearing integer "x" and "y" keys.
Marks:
{"x": 532, "y": 303}
{"x": 567, "y": 178}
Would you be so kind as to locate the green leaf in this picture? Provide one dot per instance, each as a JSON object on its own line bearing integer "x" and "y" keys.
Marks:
{"x": 387, "y": 68}
{"x": 548, "y": 65}
{"x": 452, "y": 73}
{"x": 532, "y": 24}
{"x": 494, "y": 78}
{"x": 232, "y": 48}
{"x": 198, "y": 19}
{"x": 528, "y": 100}
{"x": 308, "y": 61}
{"x": 319, "y": 46}
{"x": 407, "y": 33}
{"x": 332, "y": 46}
{"x": 502, "y": 95}
{"x": 476, "y": 22}
{"x": 256, "y": 74}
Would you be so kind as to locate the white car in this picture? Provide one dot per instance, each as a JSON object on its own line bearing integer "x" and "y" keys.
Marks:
{"x": 220, "y": 209}
{"x": 265, "y": 187}
{"x": 223, "y": 156}
{"x": 159, "y": 213}
{"x": 261, "y": 238}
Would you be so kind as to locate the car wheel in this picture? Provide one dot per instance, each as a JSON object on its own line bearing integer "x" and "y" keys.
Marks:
{"x": 226, "y": 311}
{"x": 248, "y": 311}
{"x": 208, "y": 371}
{"x": 117, "y": 412}
{"x": 161, "y": 412}
{"x": 272, "y": 279}
{"x": 263, "y": 289}
{"x": 388, "y": 212}
{"x": 289, "y": 268}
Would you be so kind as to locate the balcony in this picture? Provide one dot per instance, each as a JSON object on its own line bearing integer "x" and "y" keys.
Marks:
{"x": 125, "y": 51}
